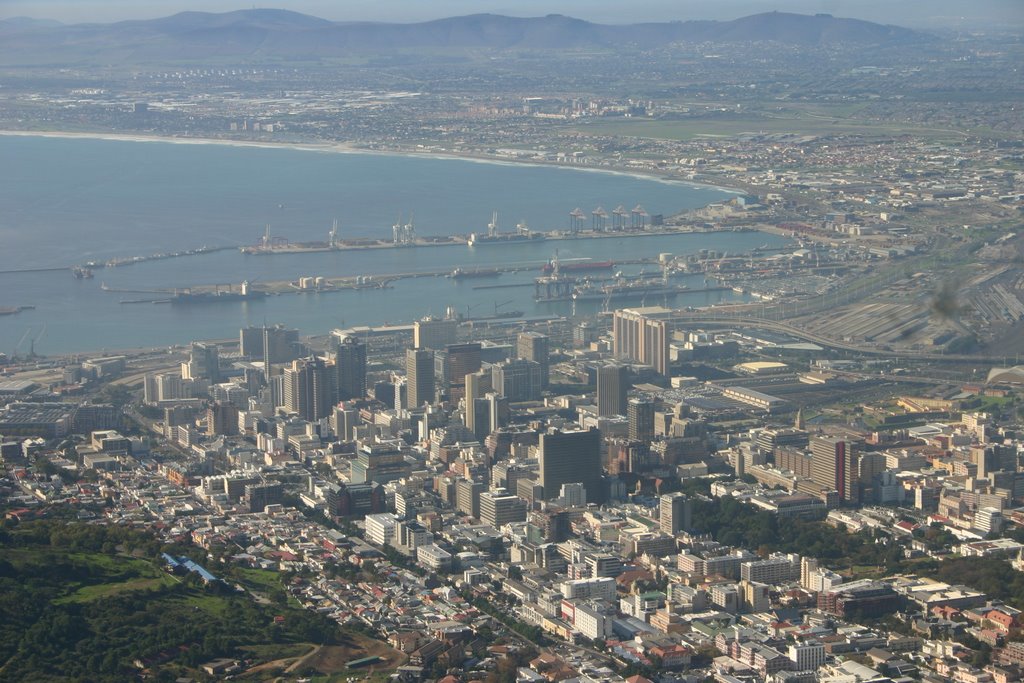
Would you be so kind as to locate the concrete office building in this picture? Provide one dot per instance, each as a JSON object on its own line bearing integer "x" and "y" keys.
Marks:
{"x": 434, "y": 334}
{"x": 536, "y": 347}
{"x": 499, "y": 507}
{"x": 517, "y": 380}
{"x": 674, "y": 511}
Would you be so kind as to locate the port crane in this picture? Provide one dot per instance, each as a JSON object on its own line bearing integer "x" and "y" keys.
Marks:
{"x": 333, "y": 235}
{"x": 33, "y": 339}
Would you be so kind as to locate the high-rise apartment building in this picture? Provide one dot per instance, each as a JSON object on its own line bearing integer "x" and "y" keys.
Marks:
{"x": 829, "y": 464}
{"x": 641, "y": 335}
{"x": 641, "y": 420}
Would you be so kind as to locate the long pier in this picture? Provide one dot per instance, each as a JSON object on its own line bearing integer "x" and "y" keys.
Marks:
{"x": 13, "y": 271}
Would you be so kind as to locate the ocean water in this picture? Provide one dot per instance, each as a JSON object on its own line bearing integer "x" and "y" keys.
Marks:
{"x": 64, "y": 201}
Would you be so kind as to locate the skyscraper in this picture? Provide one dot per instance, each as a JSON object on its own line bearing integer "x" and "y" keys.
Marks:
{"x": 460, "y": 360}
{"x": 419, "y": 373}
{"x": 276, "y": 344}
{"x": 478, "y": 385}
{"x": 309, "y": 388}
{"x": 350, "y": 368}
{"x": 612, "y": 384}
{"x": 674, "y": 513}
{"x": 641, "y": 420}
{"x": 497, "y": 410}
{"x": 536, "y": 347}
{"x": 568, "y": 457}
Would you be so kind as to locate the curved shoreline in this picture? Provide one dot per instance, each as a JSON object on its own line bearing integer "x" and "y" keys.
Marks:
{"x": 348, "y": 148}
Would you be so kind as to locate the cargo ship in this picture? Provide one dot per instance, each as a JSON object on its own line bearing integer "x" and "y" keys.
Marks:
{"x": 507, "y": 315}
{"x": 214, "y": 297}
{"x": 462, "y": 273}
{"x": 493, "y": 236}
{"x": 632, "y": 290}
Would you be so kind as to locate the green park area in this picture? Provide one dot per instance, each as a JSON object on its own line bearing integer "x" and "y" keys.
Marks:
{"x": 86, "y": 602}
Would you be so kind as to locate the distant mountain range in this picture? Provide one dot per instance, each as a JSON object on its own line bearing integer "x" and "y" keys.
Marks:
{"x": 275, "y": 33}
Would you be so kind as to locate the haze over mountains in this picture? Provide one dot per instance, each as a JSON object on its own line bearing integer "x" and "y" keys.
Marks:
{"x": 275, "y": 33}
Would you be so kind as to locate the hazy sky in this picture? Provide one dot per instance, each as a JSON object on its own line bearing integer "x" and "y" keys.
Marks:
{"x": 919, "y": 13}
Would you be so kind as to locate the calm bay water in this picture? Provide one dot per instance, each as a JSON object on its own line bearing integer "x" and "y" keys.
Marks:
{"x": 64, "y": 201}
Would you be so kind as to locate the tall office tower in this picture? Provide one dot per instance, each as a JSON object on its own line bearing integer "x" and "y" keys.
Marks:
{"x": 517, "y": 380}
{"x": 536, "y": 347}
{"x": 641, "y": 335}
{"x": 434, "y": 334}
{"x": 497, "y": 410}
{"x": 460, "y": 360}
{"x": 612, "y": 385}
{"x": 568, "y": 457}
{"x": 309, "y": 388}
{"x": 478, "y": 385}
{"x": 203, "y": 361}
{"x": 641, "y": 420}
{"x": 419, "y": 376}
{"x": 829, "y": 462}
{"x": 275, "y": 344}
{"x": 350, "y": 368}
{"x": 675, "y": 511}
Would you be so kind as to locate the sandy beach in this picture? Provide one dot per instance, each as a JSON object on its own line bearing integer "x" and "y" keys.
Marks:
{"x": 348, "y": 148}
